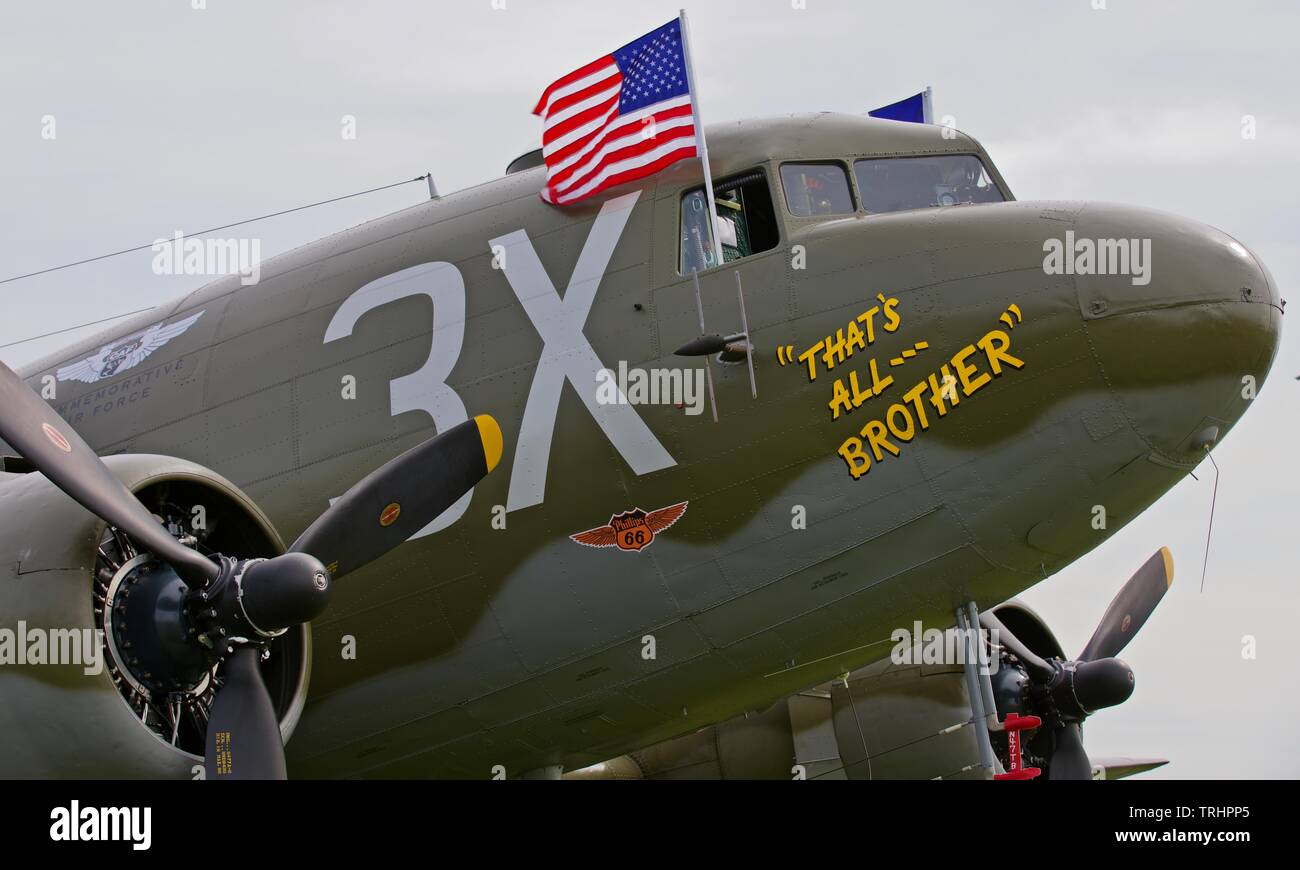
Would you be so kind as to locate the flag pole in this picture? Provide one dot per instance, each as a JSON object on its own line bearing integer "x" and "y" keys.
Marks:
{"x": 927, "y": 106}
{"x": 700, "y": 145}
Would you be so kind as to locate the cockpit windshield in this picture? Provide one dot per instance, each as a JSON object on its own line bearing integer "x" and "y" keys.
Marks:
{"x": 899, "y": 183}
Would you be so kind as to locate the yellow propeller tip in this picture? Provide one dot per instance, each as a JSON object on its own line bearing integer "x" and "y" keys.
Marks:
{"x": 490, "y": 434}
{"x": 1169, "y": 566}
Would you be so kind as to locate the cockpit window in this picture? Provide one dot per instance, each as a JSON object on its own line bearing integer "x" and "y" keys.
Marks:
{"x": 746, "y": 222}
{"x": 899, "y": 183}
{"x": 816, "y": 189}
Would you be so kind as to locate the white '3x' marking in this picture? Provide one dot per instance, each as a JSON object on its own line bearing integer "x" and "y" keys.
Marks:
{"x": 568, "y": 355}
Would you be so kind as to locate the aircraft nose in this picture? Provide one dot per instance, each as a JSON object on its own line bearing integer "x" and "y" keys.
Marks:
{"x": 1145, "y": 260}
{"x": 1185, "y": 320}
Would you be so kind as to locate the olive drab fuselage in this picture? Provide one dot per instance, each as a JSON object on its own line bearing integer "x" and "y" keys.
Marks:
{"x": 936, "y": 414}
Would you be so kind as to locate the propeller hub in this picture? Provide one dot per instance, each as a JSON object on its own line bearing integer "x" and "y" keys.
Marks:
{"x": 258, "y": 599}
{"x": 1102, "y": 683}
{"x": 284, "y": 591}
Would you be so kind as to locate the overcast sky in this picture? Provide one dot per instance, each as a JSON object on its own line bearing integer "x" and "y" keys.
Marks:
{"x": 172, "y": 118}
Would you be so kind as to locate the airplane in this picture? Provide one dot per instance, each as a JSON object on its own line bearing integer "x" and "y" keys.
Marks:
{"x": 923, "y": 397}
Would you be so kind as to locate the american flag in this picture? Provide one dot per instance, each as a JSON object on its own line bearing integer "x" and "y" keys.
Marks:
{"x": 617, "y": 119}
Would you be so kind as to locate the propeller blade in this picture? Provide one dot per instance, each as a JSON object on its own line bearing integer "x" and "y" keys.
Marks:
{"x": 1131, "y": 608}
{"x": 1118, "y": 768}
{"x": 33, "y": 429}
{"x": 402, "y": 496}
{"x": 243, "y": 739}
{"x": 1069, "y": 761}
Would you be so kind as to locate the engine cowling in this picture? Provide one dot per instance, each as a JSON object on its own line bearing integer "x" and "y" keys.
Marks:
{"x": 73, "y": 590}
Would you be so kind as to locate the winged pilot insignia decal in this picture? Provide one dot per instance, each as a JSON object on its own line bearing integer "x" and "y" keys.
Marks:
{"x": 125, "y": 353}
{"x": 632, "y": 530}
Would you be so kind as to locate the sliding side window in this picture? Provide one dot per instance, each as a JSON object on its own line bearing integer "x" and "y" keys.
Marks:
{"x": 746, "y": 222}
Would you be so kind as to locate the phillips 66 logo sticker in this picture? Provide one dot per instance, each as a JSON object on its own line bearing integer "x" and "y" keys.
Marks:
{"x": 632, "y": 530}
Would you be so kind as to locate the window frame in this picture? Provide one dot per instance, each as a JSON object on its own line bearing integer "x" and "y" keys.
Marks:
{"x": 680, "y": 200}
{"x": 845, "y": 167}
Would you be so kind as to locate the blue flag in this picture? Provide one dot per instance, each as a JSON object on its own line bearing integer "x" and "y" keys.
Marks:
{"x": 911, "y": 109}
